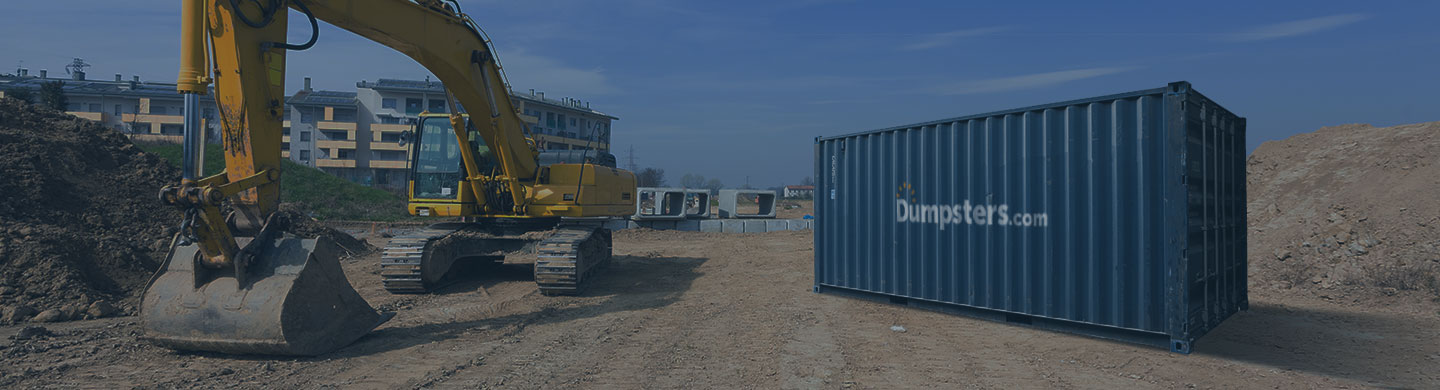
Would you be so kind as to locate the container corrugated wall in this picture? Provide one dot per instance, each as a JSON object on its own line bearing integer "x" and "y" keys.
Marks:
{"x": 1119, "y": 216}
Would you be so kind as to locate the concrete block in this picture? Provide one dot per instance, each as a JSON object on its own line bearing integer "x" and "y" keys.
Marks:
{"x": 697, "y": 204}
{"x": 712, "y": 226}
{"x": 796, "y": 224}
{"x": 755, "y": 226}
{"x": 653, "y": 203}
{"x": 732, "y": 226}
{"x": 730, "y": 199}
{"x": 689, "y": 226}
{"x": 777, "y": 225}
{"x": 659, "y": 225}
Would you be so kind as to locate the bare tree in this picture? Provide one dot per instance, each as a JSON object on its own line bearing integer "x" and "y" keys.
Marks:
{"x": 650, "y": 177}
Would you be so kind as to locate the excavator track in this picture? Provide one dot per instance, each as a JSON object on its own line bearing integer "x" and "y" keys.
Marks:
{"x": 400, "y": 265}
{"x": 569, "y": 257}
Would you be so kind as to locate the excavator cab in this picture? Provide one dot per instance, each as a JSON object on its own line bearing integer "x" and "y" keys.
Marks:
{"x": 437, "y": 175}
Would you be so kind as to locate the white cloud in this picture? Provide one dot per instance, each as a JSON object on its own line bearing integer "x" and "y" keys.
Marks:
{"x": 1296, "y": 28}
{"x": 545, "y": 74}
{"x": 931, "y": 41}
{"x": 1028, "y": 81}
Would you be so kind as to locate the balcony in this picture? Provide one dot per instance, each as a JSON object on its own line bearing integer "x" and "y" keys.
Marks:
{"x": 334, "y": 163}
{"x": 94, "y": 116}
{"x": 328, "y": 125}
{"x": 149, "y": 118}
{"x": 174, "y": 139}
{"x": 377, "y": 145}
{"x": 388, "y": 164}
{"x": 334, "y": 144}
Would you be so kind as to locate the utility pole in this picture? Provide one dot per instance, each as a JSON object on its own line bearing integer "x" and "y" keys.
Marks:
{"x": 633, "y": 166}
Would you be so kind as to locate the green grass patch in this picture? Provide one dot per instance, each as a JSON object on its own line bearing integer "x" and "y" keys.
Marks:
{"x": 325, "y": 196}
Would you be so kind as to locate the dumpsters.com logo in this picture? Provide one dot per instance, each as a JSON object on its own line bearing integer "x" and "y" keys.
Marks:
{"x": 909, "y": 209}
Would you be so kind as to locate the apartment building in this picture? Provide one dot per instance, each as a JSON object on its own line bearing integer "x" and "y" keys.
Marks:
{"x": 321, "y": 131}
{"x": 352, "y": 135}
{"x": 144, "y": 111}
{"x": 557, "y": 124}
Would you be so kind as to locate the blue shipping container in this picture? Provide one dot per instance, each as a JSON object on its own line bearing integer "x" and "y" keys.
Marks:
{"x": 1119, "y": 216}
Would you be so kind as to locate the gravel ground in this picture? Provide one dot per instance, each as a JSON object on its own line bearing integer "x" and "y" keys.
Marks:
{"x": 736, "y": 311}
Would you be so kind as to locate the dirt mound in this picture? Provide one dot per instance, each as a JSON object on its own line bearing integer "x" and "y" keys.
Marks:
{"x": 81, "y": 228}
{"x": 80, "y": 222}
{"x": 1348, "y": 213}
{"x": 302, "y": 225}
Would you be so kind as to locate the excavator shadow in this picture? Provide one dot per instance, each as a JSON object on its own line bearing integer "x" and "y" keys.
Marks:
{"x": 630, "y": 283}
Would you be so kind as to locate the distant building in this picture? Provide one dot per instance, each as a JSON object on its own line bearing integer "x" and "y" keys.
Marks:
{"x": 321, "y": 131}
{"x": 562, "y": 124}
{"x": 352, "y": 135}
{"x": 799, "y": 191}
{"x": 144, "y": 111}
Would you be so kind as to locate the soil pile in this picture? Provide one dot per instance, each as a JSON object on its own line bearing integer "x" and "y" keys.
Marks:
{"x": 79, "y": 222}
{"x": 302, "y": 225}
{"x": 1348, "y": 213}
{"x": 81, "y": 227}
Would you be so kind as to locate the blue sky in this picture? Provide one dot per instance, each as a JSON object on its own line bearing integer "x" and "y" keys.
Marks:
{"x": 741, "y": 88}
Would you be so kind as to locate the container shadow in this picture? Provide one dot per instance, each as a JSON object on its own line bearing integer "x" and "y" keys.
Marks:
{"x": 1380, "y": 349}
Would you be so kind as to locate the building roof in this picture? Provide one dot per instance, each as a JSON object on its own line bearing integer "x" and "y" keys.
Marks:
{"x": 98, "y": 87}
{"x": 321, "y": 98}
{"x": 438, "y": 87}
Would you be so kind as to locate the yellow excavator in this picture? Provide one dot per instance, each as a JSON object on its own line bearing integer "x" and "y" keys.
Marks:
{"x": 235, "y": 282}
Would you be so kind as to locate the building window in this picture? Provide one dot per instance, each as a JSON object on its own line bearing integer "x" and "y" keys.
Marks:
{"x": 572, "y": 121}
{"x": 140, "y": 127}
{"x": 117, "y": 110}
{"x": 336, "y": 135}
{"x": 562, "y": 121}
{"x": 344, "y": 115}
{"x": 382, "y": 177}
{"x": 157, "y": 110}
{"x": 549, "y": 119}
{"x": 346, "y": 154}
{"x": 304, "y": 136}
{"x": 437, "y": 105}
{"x": 307, "y": 116}
{"x": 387, "y": 103}
{"x": 387, "y": 155}
{"x": 169, "y": 129}
{"x": 285, "y": 130}
{"x": 304, "y": 155}
{"x": 414, "y": 106}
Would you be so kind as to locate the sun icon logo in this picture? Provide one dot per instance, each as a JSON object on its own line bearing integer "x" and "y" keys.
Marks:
{"x": 906, "y": 191}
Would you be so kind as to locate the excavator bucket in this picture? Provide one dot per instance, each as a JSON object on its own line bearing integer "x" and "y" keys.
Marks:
{"x": 294, "y": 300}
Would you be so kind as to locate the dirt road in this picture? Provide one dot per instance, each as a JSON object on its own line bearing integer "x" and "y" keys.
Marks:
{"x": 723, "y": 311}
